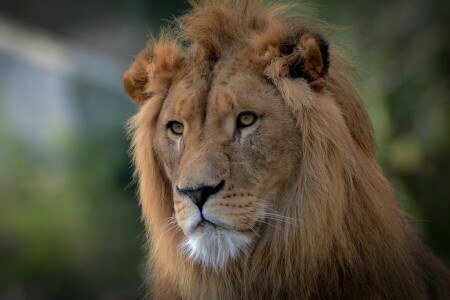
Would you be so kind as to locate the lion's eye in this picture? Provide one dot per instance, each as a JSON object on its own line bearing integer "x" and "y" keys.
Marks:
{"x": 246, "y": 119}
{"x": 176, "y": 127}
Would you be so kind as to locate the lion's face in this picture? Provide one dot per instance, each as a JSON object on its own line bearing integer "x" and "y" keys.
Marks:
{"x": 228, "y": 146}
{"x": 223, "y": 135}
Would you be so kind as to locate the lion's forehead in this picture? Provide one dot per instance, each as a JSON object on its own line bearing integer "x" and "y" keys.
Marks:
{"x": 224, "y": 89}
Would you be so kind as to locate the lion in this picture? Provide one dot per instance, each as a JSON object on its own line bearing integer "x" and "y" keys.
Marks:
{"x": 256, "y": 166}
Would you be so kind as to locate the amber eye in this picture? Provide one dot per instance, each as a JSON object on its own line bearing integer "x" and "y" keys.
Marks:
{"x": 176, "y": 127}
{"x": 246, "y": 119}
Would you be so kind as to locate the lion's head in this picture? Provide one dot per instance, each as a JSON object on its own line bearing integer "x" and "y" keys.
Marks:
{"x": 252, "y": 148}
{"x": 230, "y": 124}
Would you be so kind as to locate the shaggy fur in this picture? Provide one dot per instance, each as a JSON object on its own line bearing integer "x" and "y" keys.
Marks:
{"x": 300, "y": 209}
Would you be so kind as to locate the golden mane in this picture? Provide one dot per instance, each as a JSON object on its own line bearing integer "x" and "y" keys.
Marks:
{"x": 353, "y": 242}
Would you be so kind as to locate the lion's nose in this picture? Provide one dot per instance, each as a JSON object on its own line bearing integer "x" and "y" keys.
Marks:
{"x": 201, "y": 194}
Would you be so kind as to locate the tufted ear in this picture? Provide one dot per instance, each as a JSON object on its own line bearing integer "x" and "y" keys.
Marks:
{"x": 153, "y": 70}
{"x": 304, "y": 55}
{"x": 310, "y": 60}
{"x": 135, "y": 79}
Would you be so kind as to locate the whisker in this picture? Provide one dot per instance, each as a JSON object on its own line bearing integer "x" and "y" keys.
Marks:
{"x": 272, "y": 214}
{"x": 252, "y": 229}
{"x": 268, "y": 224}
{"x": 171, "y": 223}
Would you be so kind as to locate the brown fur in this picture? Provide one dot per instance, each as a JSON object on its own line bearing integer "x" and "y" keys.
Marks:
{"x": 309, "y": 158}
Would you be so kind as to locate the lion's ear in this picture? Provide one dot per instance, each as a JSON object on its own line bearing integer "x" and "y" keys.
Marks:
{"x": 135, "y": 79}
{"x": 153, "y": 70}
{"x": 311, "y": 60}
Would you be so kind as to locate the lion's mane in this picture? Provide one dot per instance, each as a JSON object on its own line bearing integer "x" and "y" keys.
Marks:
{"x": 353, "y": 242}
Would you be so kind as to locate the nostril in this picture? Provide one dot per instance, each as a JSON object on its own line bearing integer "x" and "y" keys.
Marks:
{"x": 201, "y": 194}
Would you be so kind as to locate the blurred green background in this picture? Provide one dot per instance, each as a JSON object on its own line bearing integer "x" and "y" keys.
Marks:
{"x": 69, "y": 218}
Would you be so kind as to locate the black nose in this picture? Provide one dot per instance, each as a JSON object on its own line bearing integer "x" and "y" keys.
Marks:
{"x": 201, "y": 194}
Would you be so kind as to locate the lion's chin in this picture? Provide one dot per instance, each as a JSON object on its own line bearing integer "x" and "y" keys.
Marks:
{"x": 213, "y": 247}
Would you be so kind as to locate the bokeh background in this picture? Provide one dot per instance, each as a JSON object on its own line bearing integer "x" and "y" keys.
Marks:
{"x": 69, "y": 218}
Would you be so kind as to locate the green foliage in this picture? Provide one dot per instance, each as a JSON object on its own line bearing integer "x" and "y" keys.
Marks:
{"x": 70, "y": 220}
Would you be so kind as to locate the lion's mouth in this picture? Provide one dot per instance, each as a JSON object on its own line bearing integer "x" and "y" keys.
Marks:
{"x": 205, "y": 224}
{"x": 208, "y": 220}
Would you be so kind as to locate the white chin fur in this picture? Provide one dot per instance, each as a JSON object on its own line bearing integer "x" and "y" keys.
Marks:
{"x": 212, "y": 247}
